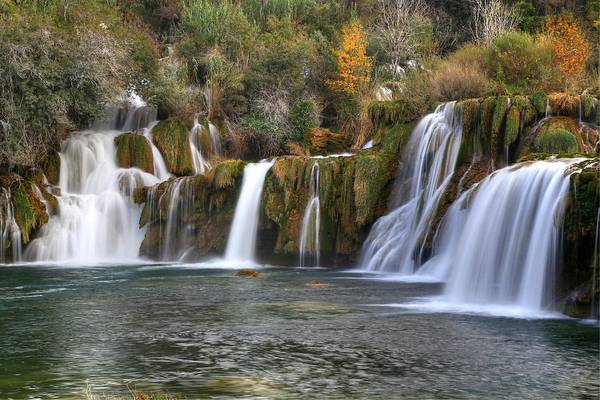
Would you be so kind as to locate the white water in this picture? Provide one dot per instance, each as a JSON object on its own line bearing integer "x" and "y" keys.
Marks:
{"x": 96, "y": 219}
{"x": 9, "y": 230}
{"x": 500, "y": 240}
{"x": 175, "y": 231}
{"x": 393, "y": 244}
{"x": 311, "y": 222}
{"x": 160, "y": 167}
{"x": 241, "y": 243}
{"x": 200, "y": 163}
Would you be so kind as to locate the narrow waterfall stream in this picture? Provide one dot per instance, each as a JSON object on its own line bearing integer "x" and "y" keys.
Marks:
{"x": 309, "y": 235}
{"x": 393, "y": 244}
{"x": 241, "y": 244}
{"x": 9, "y": 230}
{"x": 96, "y": 219}
{"x": 500, "y": 241}
{"x": 199, "y": 162}
{"x": 160, "y": 167}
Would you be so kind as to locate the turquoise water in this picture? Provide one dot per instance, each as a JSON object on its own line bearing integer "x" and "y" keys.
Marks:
{"x": 209, "y": 334}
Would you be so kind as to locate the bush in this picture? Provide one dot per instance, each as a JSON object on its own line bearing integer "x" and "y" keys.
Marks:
{"x": 458, "y": 81}
{"x": 556, "y": 141}
{"x": 522, "y": 65}
{"x": 302, "y": 117}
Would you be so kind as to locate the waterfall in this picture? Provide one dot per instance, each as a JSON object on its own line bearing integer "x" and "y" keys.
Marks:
{"x": 160, "y": 167}
{"x": 500, "y": 240}
{"x": 596, "y": 262}
{"x": 393, "y": 245}
{"x": 9, "y": 230}
{"x": 309, "y": 235}
{"x": 200, "y": 164}
{"x": 96, "y": 217}
{"x": 215, "y": 139}
{"x": 175, "y": 231}
{"x": 241, "y": 243}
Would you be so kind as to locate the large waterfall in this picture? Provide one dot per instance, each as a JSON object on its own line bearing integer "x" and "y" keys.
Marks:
{"x": 96, "y": 219}
{"x": 500, "y": 240}
{"x": 309, "y": 235}
{"x": 394, "y": 242}
{"x": 241, "y": 243}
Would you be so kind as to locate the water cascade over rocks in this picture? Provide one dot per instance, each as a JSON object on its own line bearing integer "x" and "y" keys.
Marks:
{"x": 9, "y": 230}
{"x": 241, "y": 244}
{"x": 393, "y": 244}
{"x": 309, "y": 235}
{"x": 160, "y": 167}
{"x": 199, "y": 162}
{"x": 96, "y": 218}
{"x": 499, "y": 243}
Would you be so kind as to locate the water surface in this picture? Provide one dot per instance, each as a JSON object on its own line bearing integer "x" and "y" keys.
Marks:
{"x": 205, "y": 333}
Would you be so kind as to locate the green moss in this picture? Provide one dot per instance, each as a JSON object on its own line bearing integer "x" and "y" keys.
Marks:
{"x": 500, "y": 109}
{"x": 389, "y": 113}
{"x": 171, "y": 139}
{"x": 227, "y": 173}
{"x": 587, "y": 106}
{"x": 30, "y": 212}
{"x": 556, "y": 141}
{"x": 51, "y": 168}
{"x": 471, "y": 134}
{"x": 133, "y": 150}
{"x": 539, "y": 100}
{"x": 372, "y": 174}
{"x": 513, "y": 126}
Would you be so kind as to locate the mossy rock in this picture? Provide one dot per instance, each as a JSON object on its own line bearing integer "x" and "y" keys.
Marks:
{"x": 51, "y": 168}
{"x": 513, "y": 126}
{"x": 227, "y": 173}
{"x": 558, "y": 135}
{"x": 500, "y": 110}
{"x": 30, "y": 211}
{"x": 587, "y": 106}
{"x": 539, "y": 100}
{"x": 171, "y": 139}
{"x": 134, "y": 150}
{"x": 390, "y": 113}
{"x": 323, "y": 141}
{"x": 556, "y": 141}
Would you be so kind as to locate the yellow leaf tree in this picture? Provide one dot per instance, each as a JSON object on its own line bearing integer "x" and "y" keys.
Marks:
{"x": 354, "y": 66}
{"x": 571, "y": 49}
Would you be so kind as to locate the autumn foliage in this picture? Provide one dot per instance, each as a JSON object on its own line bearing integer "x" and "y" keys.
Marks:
{"x": 354, "y": 66}
{"x": 571, "y": 49}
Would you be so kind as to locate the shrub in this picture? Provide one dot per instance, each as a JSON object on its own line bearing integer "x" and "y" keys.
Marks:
{"x": 453, "y": 81}
{"x": 303, "y": 116}
{"x": 556, "y": 141}
{"x": 521, "y": 64}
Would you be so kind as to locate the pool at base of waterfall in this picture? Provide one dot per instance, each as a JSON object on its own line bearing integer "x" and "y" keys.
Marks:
{"x": 200, "y": 332}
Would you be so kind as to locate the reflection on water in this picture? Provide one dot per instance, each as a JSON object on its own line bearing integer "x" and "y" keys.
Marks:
{"x": 208, "y": 333}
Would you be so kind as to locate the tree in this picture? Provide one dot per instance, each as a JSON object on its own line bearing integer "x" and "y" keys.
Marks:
{"x": 354, "y": 66}
{"x": 491, "y": 18}
{"x": 403, "y": 29}
{"x": 571, "y": 49}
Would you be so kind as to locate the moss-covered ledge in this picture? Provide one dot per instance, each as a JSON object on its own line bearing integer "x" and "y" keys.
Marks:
{"x": 171, "y": 139}
{"x": 134, "y": 150}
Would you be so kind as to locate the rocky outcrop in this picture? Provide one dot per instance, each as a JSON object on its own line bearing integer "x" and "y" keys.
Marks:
{"x": 134, "y": 150}
{"x": 580, "y": 264}
{"x": 32, "y": 205}
{"x": 212, "y": 203}
{"x": 171, "y": 139}
{"x": 323, "y": 141}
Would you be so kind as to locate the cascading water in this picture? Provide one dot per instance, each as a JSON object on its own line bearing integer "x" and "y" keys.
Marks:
{"x": 176, "y": 229}
{"x": 309, "y": 235}
{"x": 9, "y": 230}
{"x": 393, "y": 244}
{"x": 200, "y": 164}
{"x": 242, "y": 236}
{"x": 160, "y": 167}
{"x": 96, "y": 218}
{"x": 500, "y": 240}
{"x": 215, "y": 139}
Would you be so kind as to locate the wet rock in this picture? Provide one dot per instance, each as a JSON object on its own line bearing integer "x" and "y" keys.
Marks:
{"x": 248, "y": 273}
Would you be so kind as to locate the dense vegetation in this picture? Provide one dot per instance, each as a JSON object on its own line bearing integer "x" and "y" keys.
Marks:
{"x": 267, "y": 71}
